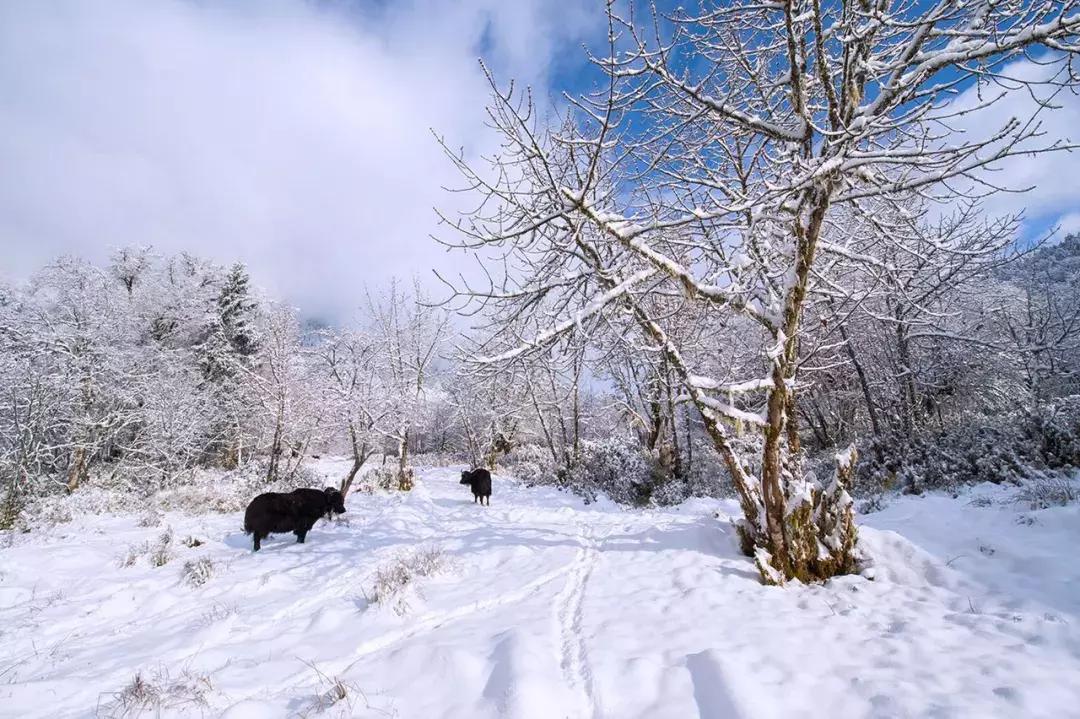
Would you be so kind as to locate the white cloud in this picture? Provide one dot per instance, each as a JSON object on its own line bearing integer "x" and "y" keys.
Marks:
{"x": 1053, "y": 194}
{"x": 1069, "y": 224}
{"x": 291, "y": 135}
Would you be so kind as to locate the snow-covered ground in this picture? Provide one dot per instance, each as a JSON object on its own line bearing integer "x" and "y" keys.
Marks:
{"x": 547, "y": 608}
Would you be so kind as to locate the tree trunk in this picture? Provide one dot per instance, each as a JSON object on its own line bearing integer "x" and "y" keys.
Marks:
{"x": 77, "y": 471}
{"x": 864, "y": 384}
{"x": 360, "y": 453}
{"x": 405, "y": 480}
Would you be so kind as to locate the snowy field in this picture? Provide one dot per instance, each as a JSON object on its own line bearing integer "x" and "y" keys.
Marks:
{"x": 545, "y": 607}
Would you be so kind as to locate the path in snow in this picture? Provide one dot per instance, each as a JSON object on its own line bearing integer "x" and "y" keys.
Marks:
{"x": 551, "y": 608}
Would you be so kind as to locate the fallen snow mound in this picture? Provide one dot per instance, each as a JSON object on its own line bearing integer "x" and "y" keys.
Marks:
{"x": 425, "y": 605}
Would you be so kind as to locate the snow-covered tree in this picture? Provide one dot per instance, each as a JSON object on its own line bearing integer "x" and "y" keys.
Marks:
{"x": 409, "y": 335}
{"x": 710, "y": 165}
{"x": 349, "y": 360}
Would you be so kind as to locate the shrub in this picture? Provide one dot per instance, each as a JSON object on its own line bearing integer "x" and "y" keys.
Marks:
{"x": 131, "y": 556}
{"x": 1011, "y": 448}
{"x": 161, "y": 552}
{"x": 334, "y": 693}
{"x": 384, "y": 478}
{"x": 622, "y": 469}
{"x": 197, "y": 572}
{"x": 532, "y": 465}
{"x": 393, "y": 580}
{"x": 150, "y": 519}
{"x": 160, "y": 691}
{"x": 873, "y": 503}
{"x": 1055, "y": 429}
{"x": 619, "y": 468}
{"x": 1048, "y": 491}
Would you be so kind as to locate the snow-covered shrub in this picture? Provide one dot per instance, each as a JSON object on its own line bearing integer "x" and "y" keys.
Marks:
{"x": 132, "y": 554}
{"x": 1009, "y": 448}
{"x": 384, "y": 478}
{"x": 217, "y": 613}
{"x": 197, "y": 572}
{"x": 52, "y": 506}
{"x": 531, "y": 464}
{"x": 393, "y": 580}
{"x": 150, "y": 695}
{"x": 1055, "y": 429}
{"x": 150, "y": 518}
{"x": 1049, "y": 491}
{"x": 619, "y": 468}
{"x": 706, "y": 477}
{"x": 161, "y": 551}
{"x": 217, "y": 491}
{"x": 873, "y": 503}
{"x": 338, "y": 698}
{"x": 961, "y": 455}
{"x": 47, "y": 512}
{"x": 435, "y": 459}
{"x": 622, "y": 469}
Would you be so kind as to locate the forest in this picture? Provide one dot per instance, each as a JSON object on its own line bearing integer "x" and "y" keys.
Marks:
{"x": 763, "y": 237}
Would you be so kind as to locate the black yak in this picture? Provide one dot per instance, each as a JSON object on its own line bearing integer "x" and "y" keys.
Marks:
{"x": 480, "y": 481}
{"x": 330, "y": 497}
{"x": 295, "y": 512}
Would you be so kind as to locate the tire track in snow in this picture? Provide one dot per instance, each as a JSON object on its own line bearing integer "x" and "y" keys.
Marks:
{"x": 569, "y": 617}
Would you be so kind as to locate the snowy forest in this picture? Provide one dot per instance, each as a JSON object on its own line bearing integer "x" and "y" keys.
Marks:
{"x": 691, "y": 307}
{"x": 131, "y": 377}
{"x": 753, "y": 285}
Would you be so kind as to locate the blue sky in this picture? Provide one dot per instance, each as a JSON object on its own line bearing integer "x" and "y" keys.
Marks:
{"x": 289, "y": 134}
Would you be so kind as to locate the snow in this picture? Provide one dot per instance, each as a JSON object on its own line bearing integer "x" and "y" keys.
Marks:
{"x": 551, "y": 608}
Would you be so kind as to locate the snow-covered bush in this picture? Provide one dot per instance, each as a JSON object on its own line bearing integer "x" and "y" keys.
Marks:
{"x": 621, "y": 469}
{"x": 150, "y": 518}
{"x": 393, "y": 580}
{"x": 197, "y": 572}
{"x": 1009, "y": 448}
{"x": 617, "y": 467}
{"x": 873, "y": 503}
{"x": 161, "y": 551}
{"x": 132, "y": 554}
{"x": 208, "y": 490}
{"x": 1049, "y": 491}
{"x": 384, "y": 478}
{"x": 961, "y": 455}
{"x": 532, "y": 465}
{"x": 338, "y": 698}
{"x": 436, "y": 459}
{"x": 1055, "y": 429}
{"x": 216, "y": 491}
{"x": 150, "y": 695}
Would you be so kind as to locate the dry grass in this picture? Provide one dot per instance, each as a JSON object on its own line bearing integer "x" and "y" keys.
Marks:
{"x": 394, "y": 580}
{"x": 1051, "y": 491}
{"x": 197, "y": 572}
{"x": 150, "y": 518}
{"x": 150, "y": 695}
{"x": 337, "y": 697}
{"x": 161, "y": 551}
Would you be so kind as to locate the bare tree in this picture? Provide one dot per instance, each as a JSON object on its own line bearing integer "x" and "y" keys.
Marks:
{"x": 350, "y": 360}
{"x": 709, "y": 166}
{"x": 410, "y": 333}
